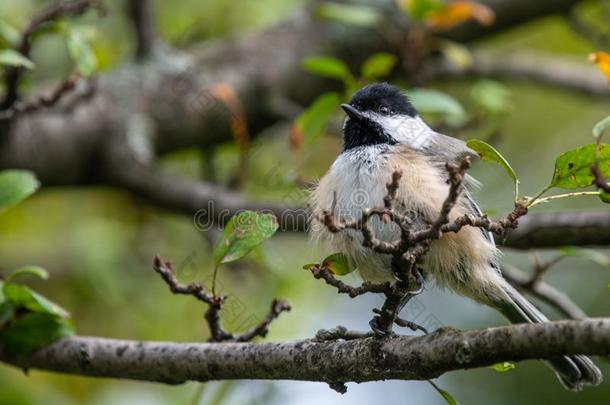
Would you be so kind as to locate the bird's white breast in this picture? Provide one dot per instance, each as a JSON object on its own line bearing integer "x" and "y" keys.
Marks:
{"x": 360, "y": 176}
{"x": 357, "y": 181}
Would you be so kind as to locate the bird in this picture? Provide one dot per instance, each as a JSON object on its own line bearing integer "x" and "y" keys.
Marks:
{"x": 383, "y": 133}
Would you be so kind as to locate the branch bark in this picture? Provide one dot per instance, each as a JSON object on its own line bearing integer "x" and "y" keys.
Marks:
{"x": 548, "y": 230}
{"x": 557, "y": 71}
{"x": 338, "y": 361}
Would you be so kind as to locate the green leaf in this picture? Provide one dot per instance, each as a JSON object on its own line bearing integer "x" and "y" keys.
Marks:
{"x": 21, "y": 296}
{"x": 15, "y": 186}
{"x": 573, "y": 168}
{"x": 8, "y": 33}
{"x": 9, "y": 57}
{"x": 503, "y": 367}
{"x": 245, "y": 231}
{"x": 313, "y": 121}
{"x": 378, "y": 65}
{"x": 28, "y": 320}
{"x": 6, "y": 313}
{"x": 31, "y": 270}
{"x": 490, "y": 154}
{"x": 338, "y": 264}
{"x": 357, "y": 15}
{"x": 34, "y": 330}
{"x": 419, "y": 9}
{"x": 327, "y": 67}
{"x": 589, "y": 254}
{"x": 604, "y": 196}
{"x": 492, "y": 96}
{"x": 600, "y": 127}
{"x": 81, "y": 53}
{"x": 446, "y": 395}
{"x": 436, "y": 102}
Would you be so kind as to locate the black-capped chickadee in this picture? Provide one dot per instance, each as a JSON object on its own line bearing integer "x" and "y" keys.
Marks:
{"x": 383, "y": 133}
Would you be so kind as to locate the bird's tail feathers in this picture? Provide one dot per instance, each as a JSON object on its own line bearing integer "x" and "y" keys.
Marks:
{"x": 575, "y": 371}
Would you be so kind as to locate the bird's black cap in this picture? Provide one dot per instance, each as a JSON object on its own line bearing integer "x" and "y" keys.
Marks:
{"x": 375, "y": 96}
{"x": 362, "y": 129}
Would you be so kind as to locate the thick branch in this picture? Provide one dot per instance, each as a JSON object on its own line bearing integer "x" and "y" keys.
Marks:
{"x": 358, "y": 360}
{"x": 523, "y": 65}
{"x": 547, "y": 230}
{"x": 209, "y": 204}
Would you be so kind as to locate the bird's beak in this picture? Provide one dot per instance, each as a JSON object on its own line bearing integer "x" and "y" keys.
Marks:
{"x": 352, "y": 112}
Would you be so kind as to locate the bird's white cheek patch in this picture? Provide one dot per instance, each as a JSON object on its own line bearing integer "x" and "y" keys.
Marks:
{"x": 411, "y": 131}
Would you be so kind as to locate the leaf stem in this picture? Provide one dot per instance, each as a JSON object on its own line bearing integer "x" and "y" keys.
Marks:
{"x": 557, "y": 197}
{"x": 214, "y": 280}
{"x": 534, "y": 200}
{"x": 445, "y": 394}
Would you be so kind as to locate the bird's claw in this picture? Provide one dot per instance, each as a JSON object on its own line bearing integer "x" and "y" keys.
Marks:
{"x": 375, "y": 328}
{"x": 409, "y": 324}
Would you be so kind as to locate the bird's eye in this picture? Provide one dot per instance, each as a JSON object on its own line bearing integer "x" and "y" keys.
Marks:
{"x": 384, "y": 110}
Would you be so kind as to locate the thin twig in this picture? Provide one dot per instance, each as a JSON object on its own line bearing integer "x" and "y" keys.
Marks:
{"x": 43, "y": 101}
{"x": 166, "y": 271}
{"x": 540, "y": 269}
{"x": 54, "y": 12}
{"x": 321, "y": 272}
{"x": 277, "y": 307}
{"x": 212, "y": 314}
{"x": 545, "y": 292}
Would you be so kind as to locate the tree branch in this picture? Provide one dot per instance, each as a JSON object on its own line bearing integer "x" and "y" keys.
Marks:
{"x": 142, "y": 16}
{"x": 215, "y": 304}
{"x": 526, "y": 65}
{"x": 335, "y": 361}
{"x": 553, "y": 229}
{"x": 543, "y": 291}
{"x": 43, "y": 101}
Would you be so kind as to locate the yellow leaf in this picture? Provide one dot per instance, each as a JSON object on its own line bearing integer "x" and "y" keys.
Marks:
{"x": 602, "y": 59}
{"x": 460, "y": 11}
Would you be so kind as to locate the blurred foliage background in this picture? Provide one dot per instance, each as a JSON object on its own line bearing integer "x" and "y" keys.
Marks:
{"x": 98, "y": 243}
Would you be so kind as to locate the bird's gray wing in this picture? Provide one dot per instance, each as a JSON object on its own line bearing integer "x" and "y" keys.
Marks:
{"x": 474, "y": 209}
{"x": 446, "y": 149}
{"x": 443, "y": 149}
